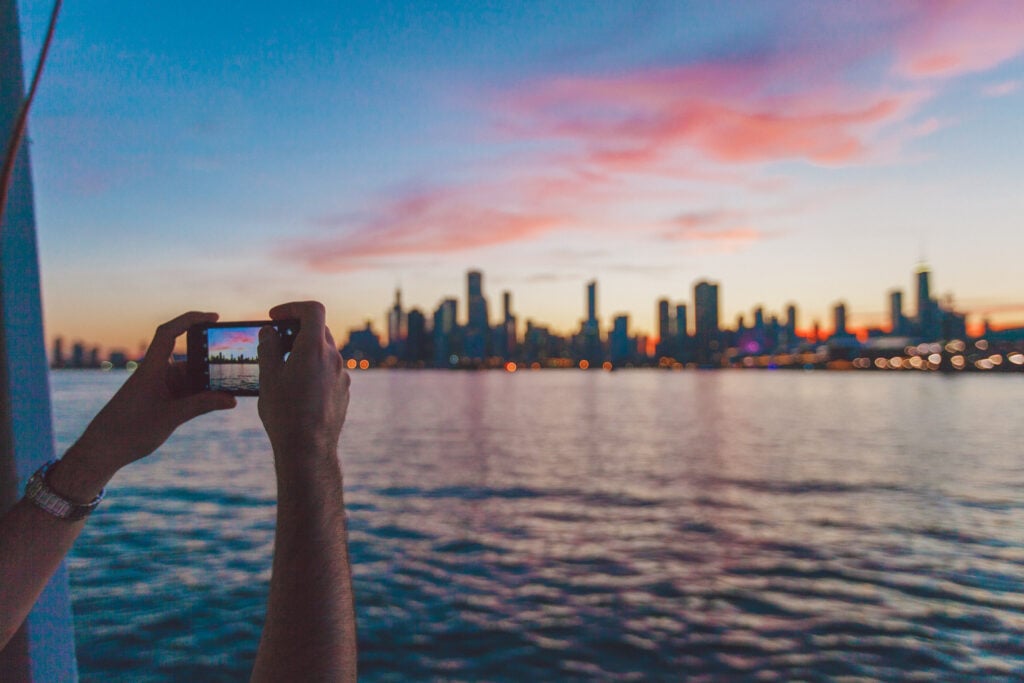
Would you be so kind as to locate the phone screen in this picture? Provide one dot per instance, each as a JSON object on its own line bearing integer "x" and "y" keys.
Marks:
{"x": 224, "y": 356}
{"x": 232, "y": 359}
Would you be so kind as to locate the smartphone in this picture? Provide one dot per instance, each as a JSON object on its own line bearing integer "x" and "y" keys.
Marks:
{"x": 224, "y": 357}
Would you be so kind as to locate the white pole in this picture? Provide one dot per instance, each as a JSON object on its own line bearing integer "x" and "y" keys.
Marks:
{"x": 44, "y": 648}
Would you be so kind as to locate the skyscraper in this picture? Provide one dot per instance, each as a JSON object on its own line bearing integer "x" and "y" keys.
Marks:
{"x": 508, "y": 337}
{"x": 791, "y": 325}
{"x": 664, "y": 321}
{"x": 681, "y": 322}
{"x": 477, "y": 327}
{"x": 592, "y": 301}
{"x": 58, "y": 360}
{"x": 591, "y": 328}
{"x": 444, "y": 326}
{"x": 618, "y": 341}
{"x": 928, "y": 322}
{"x": 706, "y": 333}
{"x": 896, "y": 319}
{"x": 415, "y": 342}
{"x": 396, "y": 324}
{"x": 839, "y": 320}
{"x": 924, "y": 296}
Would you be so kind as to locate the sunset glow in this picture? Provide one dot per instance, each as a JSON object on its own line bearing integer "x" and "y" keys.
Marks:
{"x": 191, "y": 157}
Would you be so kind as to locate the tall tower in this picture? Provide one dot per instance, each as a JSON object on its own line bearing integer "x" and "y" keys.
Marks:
{"x": 618, "y": 340}
{"x": 509, "y": 335}
{"x": 477, "y": 327}
{"x": 592, "y": 301}
{"x": 58, "y": 353}
{"x": 396, "y": 323}
{"x": 444, "y": 326}
{"x": 664, "y": 321}
{"x": 923, "y": 291}
{"x": 705, "y": 303}
{"x": 896, "y": 312}
{"x": 591, "y": 329}
{"x": 928, "y": 322}
{"x": 839, "y": 319}
{"x": 681, "y": 321}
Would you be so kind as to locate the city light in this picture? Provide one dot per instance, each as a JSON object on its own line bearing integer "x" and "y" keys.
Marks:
{"x": 689, "y": 335}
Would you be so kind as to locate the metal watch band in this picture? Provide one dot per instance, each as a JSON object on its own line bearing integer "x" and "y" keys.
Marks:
{"x": 52, "y": 502}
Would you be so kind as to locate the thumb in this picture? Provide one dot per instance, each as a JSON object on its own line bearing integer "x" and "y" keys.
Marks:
{"x": 202, "y": 403}
{"x": 269, "y": 351}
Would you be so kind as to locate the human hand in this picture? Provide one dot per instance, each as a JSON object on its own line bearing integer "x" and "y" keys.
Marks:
{"x": 144, "y": 412}
{"x": 303, "y": 399}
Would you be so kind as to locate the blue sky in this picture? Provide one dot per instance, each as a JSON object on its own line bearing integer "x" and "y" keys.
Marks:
{"x": 231, "y": 156}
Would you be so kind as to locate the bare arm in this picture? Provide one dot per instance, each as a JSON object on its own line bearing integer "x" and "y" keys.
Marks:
{"x": 140, "y": 417}
{"x": 310, "y": 631}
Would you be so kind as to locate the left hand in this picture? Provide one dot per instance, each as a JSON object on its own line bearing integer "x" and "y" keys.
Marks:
{"x": 148, "y": 407}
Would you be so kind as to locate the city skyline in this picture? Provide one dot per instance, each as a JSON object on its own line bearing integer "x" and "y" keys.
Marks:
{"x": 698, "y": 318}
{"x": 190, "y": 157}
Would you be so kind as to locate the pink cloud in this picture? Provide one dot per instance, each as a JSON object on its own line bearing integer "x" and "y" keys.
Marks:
{"x": 728, "y": 229}
{"x": 737, "y": 113}
{"x": 1001, "y": 89}
{"x": 592, "y": 142}
{"x": 425, "y": 222}
{"x": 952, "y": 37}
{"x": 224, "y": 339}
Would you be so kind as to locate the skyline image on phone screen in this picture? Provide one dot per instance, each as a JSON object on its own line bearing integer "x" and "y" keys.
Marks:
{"x": 225, "y": 357}
{"x": 232, "y": 358}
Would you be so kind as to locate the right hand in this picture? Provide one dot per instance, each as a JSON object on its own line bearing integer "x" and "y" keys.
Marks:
{"x": 303, "y": 400}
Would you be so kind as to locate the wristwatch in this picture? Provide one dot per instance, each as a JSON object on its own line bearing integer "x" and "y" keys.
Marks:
{"x": 52, "y": 502}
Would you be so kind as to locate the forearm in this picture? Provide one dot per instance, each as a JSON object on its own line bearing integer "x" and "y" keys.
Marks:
{"x": 33, "y": 543}
{"x": 310, "y": 631}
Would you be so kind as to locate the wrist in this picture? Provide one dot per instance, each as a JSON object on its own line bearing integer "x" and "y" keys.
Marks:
{"x": 80, "y": 475}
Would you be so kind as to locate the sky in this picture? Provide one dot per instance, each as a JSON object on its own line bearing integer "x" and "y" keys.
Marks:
{"x": 232, "y": 342}
{"x": 231, "y": 156}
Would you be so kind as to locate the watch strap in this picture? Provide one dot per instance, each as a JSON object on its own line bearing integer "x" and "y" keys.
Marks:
{"x": 45, "y": 498}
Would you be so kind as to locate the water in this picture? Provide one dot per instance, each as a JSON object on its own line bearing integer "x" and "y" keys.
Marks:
{"x": 571, "y": 526}
{"x": 234, "y": 376}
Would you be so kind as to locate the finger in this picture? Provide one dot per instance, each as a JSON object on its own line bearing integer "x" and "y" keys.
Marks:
{"x": 311, "y": 315}
{"x": 162, "y": 346}
{"x": 269, "y": 351}
{"x": 329, "y": 338}
{"x": 202, "y": 403}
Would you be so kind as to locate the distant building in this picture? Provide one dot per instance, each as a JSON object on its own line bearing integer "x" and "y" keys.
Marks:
{"x": 591, "y": 331}
{"x": 791, "y": 339}
{"x": 706, "y": 334}
{"x": 417, "y": 343}
{"x": 664, "y": 329}
{"x": 928, "y": 323}
{"x": 78, "y": 355}
{"x": 363, "y": 344}
{"x": 619, "y": 342}
{"x": 396, "y": 325}
{"x": 681, "y": 330}
{"x": 839, "y": 321}
{"x": 58, "y": 360}
{"x": 444, "y": 330}
{"x": 897, "y": 321}
{"x": 477, "y": 325}
{"x": 508, "y": 333}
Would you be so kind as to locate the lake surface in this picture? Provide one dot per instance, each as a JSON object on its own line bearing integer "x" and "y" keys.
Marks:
{"x": 590, "y": 526}
{"x": 234, "y": 376}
